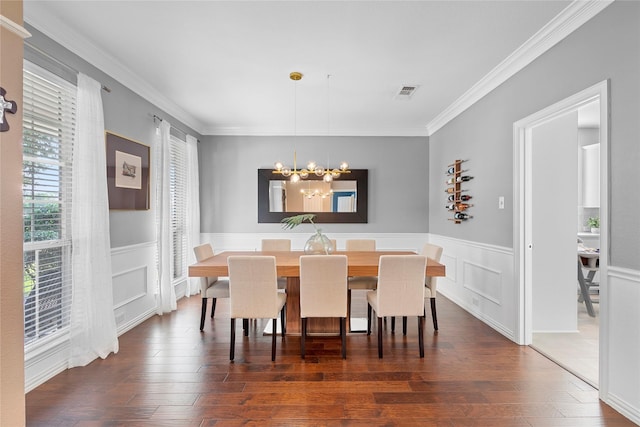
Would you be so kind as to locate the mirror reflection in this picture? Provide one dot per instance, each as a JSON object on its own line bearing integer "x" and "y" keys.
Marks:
{"x": 313, "y": 196}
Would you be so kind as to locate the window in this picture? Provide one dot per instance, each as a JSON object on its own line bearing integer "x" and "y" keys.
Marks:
{"x": 48, "y": 126}
{"x": 178, "y": 190}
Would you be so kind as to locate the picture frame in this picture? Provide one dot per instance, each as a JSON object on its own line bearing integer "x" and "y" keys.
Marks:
{"x": 128, "y": 164}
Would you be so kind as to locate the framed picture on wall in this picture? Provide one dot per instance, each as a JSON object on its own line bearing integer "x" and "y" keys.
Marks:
{"x": 127, "y": 173}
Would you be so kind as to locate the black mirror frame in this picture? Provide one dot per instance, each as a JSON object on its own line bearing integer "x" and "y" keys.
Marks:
{"x": 361, "y": 176}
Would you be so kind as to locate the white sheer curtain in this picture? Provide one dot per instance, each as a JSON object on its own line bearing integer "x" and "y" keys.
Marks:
{"x": 166, "y": 296}
{"x": 93, "y": 325}
{"x": 193, "y": 209}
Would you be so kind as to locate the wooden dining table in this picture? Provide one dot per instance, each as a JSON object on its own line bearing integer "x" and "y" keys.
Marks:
{"x": 288, "y": 265}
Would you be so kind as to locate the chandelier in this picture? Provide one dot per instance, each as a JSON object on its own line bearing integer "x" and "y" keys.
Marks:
{"x": 312, "y": 168}
{"x": 317, "y": 192}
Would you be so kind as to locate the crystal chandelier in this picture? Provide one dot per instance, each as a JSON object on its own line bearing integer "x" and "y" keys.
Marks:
{"x": 312, "y": 168}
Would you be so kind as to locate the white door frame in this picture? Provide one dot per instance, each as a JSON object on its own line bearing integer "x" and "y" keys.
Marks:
{"x": 522, "y": 132}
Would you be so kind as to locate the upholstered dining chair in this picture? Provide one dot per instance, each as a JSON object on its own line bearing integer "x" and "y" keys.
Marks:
{"x": 323, "y": 293}
{"x": 359, "y": 283}
{"x": 210, "y": 287}
{"x": 435, "y": 253}
{"x": 277, "y": 245}
{"x": 400, "y": 292}
{"x": 253, "y": 294}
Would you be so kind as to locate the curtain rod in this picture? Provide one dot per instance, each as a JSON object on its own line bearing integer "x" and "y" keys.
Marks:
{"x": 57, "y": 61}
{"x": 172, "y": 126}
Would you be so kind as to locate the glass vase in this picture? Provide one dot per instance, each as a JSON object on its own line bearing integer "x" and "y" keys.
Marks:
{"x": 318, "y": 244}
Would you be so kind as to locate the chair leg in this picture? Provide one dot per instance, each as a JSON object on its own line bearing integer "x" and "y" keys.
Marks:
{"x": 404, "y": 325}
{"x": 393, "y": 325}
{"x": 213, "y": 306}
{"x": 233, "y": 339}
{"x": 380, "y": 337}
{"x": 273, "y": 339}
{"x": 204, "y": 312}
{"x": 368, "y": 319}
{"x": 343, "y": 335}
{"x": 283, "y": 320}
{"x": 303, "y": 338}
{"x": 434, "y": 316}
{"x": 421, "y": 335}
{"x": 245, "y": 327}
{"x": 349, "y": 309}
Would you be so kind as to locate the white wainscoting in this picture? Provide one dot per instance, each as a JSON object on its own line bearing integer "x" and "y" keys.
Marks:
{"x": 622, "y": 346}
{"x": 480, "y": 279}
{"x": 134, "y": 281}
{"x": 251, "y": 241}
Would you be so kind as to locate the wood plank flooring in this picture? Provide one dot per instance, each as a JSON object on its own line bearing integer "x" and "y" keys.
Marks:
{"x": 168, "y": 373}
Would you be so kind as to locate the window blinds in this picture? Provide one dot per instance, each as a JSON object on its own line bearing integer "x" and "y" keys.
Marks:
{"x": 48, "y": 125}
{"x": 178, "y": 190}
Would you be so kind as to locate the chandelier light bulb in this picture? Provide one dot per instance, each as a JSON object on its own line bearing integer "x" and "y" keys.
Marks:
{"x": 319, "y": 171}
{"x": 278, "y": 166}
{"x": 328, "y": 177}
{"x": 295, "y": 178}
{"x": 286, "y": 172}
{"x": 344, "y": 166}
{"x": 311, "y": 166}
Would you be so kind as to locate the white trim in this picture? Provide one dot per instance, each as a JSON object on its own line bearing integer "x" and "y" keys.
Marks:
{"x": 567, "y": 21}
{"x": 521, "y": 132}
{"x": 121, "y": 250}
{"x": 624, "y": 407}
{"x": 624, "y": 274}
{"x": 14, "y": 27}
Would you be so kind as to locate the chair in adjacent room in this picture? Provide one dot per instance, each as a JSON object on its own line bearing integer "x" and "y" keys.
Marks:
{"x": 359, "y": 283}
{"x": 254, "y": 294}
{"x": 210, "y": 287}
{"x": 277, "y": 245}
{"x": 323, "y": 293}
{"x": 400, "y": 292}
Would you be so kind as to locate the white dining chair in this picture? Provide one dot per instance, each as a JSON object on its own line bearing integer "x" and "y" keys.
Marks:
{"x": 400, "y": 292}
{"x": 254, "y": 294}
{"x": 210, "y": 287}
{"x": 433, "y": 252}
{"x": 359, "y": 283}
{"x": 277, "y": 245}
{"x": 323, "y": 293}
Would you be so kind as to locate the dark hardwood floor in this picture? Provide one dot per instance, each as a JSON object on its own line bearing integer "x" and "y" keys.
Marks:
{"x": 168, "y": 373}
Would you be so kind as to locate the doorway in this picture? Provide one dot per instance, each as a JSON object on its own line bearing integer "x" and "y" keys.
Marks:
{"x": 547, "y": 226}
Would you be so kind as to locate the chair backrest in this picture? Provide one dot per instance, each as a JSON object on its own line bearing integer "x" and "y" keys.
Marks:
{"x": 401, "y": 285}
{"x": 435, "y": 253}
{"x": 276, "y": 245}
{"x": 363, "y": 245}
{"x": 203, "y": 252}
{"x": 253, "y": 287}
{"x": 334, "y": 244}
{"x": 323, "y": 286}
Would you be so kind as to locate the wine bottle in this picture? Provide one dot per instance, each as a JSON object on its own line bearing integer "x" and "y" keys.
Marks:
{"x": 463, "y": 197}
{"x": 464, "y": 178}
{"x": 451, "y": 206}
{"x": 451, "y": 181}
{"x": 461, "y": 206}
{"x": 451, "y": 170}
{"x": 450, "y": 190}
{"x": 462, "y": 216}
{"x": 452, "y": 197}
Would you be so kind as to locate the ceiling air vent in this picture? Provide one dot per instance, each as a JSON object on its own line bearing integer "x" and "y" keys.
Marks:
{"x": 406, "y": 91}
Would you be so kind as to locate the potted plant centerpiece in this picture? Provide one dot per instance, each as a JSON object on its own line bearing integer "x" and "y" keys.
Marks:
{"x": 594, "y": 223}
{"x": 318, "y": 243}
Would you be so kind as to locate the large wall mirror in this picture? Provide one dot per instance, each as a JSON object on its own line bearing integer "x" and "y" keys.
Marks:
{"x": 344, "y": 200}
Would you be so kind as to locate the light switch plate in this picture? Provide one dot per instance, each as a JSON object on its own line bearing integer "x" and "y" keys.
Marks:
{"x": 501, "y": 202}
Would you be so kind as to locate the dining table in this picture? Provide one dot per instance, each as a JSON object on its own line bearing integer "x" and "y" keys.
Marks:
{"x": 288, "y": 265}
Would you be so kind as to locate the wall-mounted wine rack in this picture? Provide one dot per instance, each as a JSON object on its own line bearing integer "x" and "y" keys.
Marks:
{"x": 457, "y": 198}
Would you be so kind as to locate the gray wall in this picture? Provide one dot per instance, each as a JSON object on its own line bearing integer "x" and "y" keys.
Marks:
{"x": 606, "y": 47}
{"x": 125, "y": 113}
{"x": 398, "y": 175}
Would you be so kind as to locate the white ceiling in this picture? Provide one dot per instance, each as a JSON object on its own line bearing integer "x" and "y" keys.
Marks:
{"x": 222, "y": 67}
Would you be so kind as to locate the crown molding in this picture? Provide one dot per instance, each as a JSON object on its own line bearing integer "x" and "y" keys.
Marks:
{"x": 14, "y": 27}
{"x": 563, "y": 24}
{"x": 58, "y": 31}
{"x": 229, "y": 131}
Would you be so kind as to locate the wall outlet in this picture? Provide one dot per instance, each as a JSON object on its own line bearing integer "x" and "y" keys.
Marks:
{"x": 501, "y": 202}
